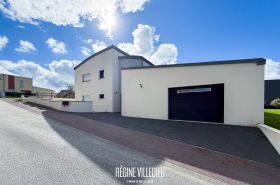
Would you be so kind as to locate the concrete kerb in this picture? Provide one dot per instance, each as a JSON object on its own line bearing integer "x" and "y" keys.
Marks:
{"x": 179, "y": 170}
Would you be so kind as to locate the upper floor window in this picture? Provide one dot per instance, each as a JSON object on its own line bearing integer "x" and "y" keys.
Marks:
{"x": 21, "y": 83}
{"x": 86, "y": 77}
{"x": 101, "y": 74}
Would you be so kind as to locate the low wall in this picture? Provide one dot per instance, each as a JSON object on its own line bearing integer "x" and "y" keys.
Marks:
{"x": 272, "y": 134}
{"x": 74, "y": 106}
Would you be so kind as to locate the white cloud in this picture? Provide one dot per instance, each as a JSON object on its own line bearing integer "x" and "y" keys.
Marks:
{"x": 272, "y": 69}
{"x": 84, "y": 40}
{"x": 55, "y": 77}
{"x": 72, "y": 12}
{"x": 25, "y": 47}
{"x": 19, "y": 26}
{"x": 143, "y": 45}
{"x": 98, "y": 46}
{"x": 85, "y": 50}
{"x": 57, "y": 47}
{"x": 3, "y": 42}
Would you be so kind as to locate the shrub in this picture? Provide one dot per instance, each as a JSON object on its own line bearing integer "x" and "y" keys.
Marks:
{"x": 276, "y": 103}
{"x": 269, "y": 107}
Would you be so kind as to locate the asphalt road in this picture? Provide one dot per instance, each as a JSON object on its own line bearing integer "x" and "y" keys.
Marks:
{"x": 36, "y": 150}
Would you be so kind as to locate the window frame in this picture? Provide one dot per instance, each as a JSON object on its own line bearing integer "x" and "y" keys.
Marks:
{"x": 100, "y": 96}
{"x": 20, "y": 84}
{"x": 84, "y": 78}
{"x": 84, "y": 97}
{"x": 103, "y": 74}
{"x": 194, "y": 90}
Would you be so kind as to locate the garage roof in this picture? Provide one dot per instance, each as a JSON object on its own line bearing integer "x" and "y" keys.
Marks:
{"x": 258, "y": 61}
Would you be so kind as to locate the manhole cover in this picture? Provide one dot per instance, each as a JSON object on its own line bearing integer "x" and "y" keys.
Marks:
{"x": 201, "y": 150}
{"x": 235, "y": 160}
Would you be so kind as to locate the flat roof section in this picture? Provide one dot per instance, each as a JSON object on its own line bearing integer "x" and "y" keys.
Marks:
{"x": 258, "y": 61}
{"x": 136, "y": 57}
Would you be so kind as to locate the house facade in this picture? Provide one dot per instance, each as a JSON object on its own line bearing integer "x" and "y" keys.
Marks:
{"x": 98, "y": 78}
{"x": 227, "y": 92}
{"x": 19, "y": 84}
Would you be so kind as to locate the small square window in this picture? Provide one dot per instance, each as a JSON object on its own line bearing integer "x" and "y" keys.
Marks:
{"x": 101, "y": 74}
{"x": 86, "y": 98}
{"x": 101, "y": 96}
{"x": 86, "y": 77}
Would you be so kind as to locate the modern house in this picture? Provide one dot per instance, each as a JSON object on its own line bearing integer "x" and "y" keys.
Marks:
{"x": 98, "y": 78}
{"x": 229, "y": 92}
{"x": 11, "y": 83}
{"x": 272, "y": 90}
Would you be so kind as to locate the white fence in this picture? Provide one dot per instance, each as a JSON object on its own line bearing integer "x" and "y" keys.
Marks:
{"x": 56, "y": 103}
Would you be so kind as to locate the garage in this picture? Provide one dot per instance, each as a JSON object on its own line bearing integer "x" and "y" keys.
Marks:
{"x": 197, "y": 103}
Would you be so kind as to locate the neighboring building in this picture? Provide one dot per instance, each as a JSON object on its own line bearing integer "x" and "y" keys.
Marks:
{"x": 98, "y": 78}
{"x": 42, "y": 90}
{"x": 272, "y": 90}
{"x": 229, "y": 92}
{"x": 11, "y": 83}
{"x": 69, "y": 92}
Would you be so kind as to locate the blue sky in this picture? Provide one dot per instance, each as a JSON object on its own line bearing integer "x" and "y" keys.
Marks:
{"x": 47, "y": 40}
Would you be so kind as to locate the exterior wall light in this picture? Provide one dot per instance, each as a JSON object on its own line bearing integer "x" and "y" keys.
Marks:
{"x": 141, "y": 85}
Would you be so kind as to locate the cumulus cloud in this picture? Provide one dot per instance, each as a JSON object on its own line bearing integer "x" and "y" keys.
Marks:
{"x": 72, "y": 12}
{"x": 272, "y": 69}
{"x": 97, "y": 46}
{"x": 19, "y": 26}
{"x": 3, "y": 42}
{"x": 85, "y": 50}
{"x": 25, "y": 47}
{"x": 57, "y": 47}
{"x": 143, "y": 44}
{"x": 55, "y": 77}
{"x": 84, "y": 40}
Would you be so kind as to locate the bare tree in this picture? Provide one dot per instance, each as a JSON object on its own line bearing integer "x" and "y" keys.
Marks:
{"x": 70, "y": 86}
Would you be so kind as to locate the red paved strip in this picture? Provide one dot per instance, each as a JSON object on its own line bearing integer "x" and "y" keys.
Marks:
{"x": 211, "y": 164}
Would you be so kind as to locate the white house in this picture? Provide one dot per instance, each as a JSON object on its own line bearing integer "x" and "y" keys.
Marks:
{"x": 98, "y": 78}
{"x": 228, "y": 92}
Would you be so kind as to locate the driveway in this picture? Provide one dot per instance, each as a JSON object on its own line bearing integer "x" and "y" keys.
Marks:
{"x": 215, "y": 165}
{"x": 35, "y": 150}
{"x": 245, "y": 142}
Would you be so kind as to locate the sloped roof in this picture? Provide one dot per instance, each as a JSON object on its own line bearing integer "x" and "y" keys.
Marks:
{"x": 102, "y": 51}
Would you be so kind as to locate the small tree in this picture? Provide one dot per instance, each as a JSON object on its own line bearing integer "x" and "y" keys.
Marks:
{"x": 276, "y": 103}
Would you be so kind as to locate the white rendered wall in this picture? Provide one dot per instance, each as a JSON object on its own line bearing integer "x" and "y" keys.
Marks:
{"x": 107, "y": 61}
{"x": 74, "y": 106}
{"x": 243, "y": 96}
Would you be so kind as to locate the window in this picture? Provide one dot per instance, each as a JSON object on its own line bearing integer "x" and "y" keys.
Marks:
{"x": 86, "y": 98}
{"x": 11, "y": 90}
{"x": 193, "y": 90}
{"x": 101, "y": 96}
{"x": 101, "y": 74}
{"x": 21, "y": 83}
{"x": 86, "y": 77}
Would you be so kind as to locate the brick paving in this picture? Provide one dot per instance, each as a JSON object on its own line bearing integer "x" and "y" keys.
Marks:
{"x": 205, "y": 162}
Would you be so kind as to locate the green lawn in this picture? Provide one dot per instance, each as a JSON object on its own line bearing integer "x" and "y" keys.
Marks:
{"x": 272, "y": 118}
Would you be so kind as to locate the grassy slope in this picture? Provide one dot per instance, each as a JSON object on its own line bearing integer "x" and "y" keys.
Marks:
{"x": 272, "y": 118}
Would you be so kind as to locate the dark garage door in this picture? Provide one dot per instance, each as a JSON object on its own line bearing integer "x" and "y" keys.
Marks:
{"x": 197, "y": 103}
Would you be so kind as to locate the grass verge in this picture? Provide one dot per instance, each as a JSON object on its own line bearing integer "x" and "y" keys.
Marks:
{"x": 272, "y": 118}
